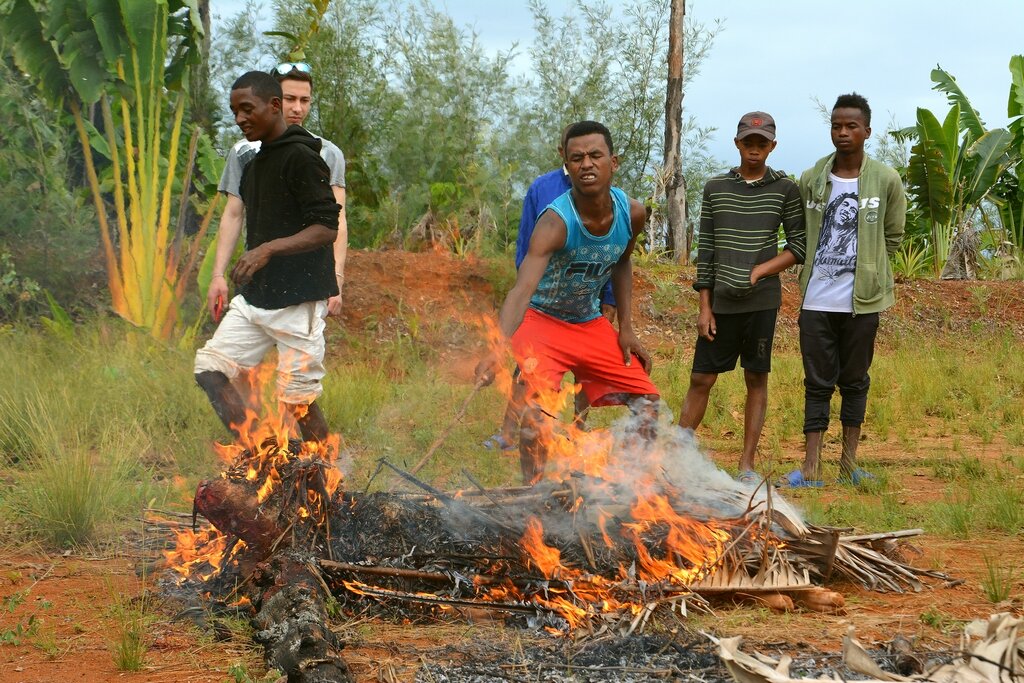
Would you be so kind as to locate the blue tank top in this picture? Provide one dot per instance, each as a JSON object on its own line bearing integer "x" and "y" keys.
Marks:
{"x": 577, "y": 272}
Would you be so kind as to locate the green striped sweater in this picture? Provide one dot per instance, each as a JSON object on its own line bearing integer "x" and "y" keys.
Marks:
{"x": 739, "y": 227}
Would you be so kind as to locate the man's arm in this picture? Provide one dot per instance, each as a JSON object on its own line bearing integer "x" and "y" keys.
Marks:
{"x": 705, "y": 282}
{"x": 307, "y": 239}
{"x": 895, "y": 213}
{"x": 622, "y": 285}
{"x": 340, "y": 252}
{"x": 548, "y": 237}
{"x": 227, "y": 239}
{"x": 796, "y": 239}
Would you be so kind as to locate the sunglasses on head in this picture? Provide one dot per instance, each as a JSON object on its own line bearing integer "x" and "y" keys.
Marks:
{"x": 288, "y": 67}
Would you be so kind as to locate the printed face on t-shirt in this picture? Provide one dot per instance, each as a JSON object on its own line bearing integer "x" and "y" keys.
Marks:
{"x": 846, "y": 213}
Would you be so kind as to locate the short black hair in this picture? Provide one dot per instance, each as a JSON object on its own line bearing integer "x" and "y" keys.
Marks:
{"x": 854, "y": 101}
{"x": 264, "y": 86}
{"x": 293, "y": 75}
{"x": 581, "y": 128}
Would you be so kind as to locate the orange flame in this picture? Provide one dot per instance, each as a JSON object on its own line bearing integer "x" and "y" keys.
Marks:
{"x": 544, "y": 557}
{"x": 195, "y": 550}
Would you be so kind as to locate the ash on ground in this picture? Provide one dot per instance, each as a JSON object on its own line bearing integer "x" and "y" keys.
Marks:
{"x": 627, "y": 659}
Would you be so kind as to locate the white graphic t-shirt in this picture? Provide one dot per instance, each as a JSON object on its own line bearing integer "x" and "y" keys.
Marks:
{"x": 830, "y": 287}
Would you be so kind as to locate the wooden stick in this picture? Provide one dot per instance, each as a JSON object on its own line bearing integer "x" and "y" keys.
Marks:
{"x": 881, "y": 535}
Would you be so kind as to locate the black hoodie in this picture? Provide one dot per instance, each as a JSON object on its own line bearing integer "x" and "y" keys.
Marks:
{"x": 286, "y": 188}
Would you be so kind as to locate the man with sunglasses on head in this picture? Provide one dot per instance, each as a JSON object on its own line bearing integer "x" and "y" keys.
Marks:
{"x": 297, "y": 87}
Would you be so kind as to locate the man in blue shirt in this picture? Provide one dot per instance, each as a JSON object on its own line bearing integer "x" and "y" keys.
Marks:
{"x": 543, "y": 190}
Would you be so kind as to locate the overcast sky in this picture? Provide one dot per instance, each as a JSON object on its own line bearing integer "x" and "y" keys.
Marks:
{"x": 778, "y": 56}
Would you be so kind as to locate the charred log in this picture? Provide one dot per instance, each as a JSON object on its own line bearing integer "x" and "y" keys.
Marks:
{"x": 292, "y": 622}
{"x": 233, "y": 509}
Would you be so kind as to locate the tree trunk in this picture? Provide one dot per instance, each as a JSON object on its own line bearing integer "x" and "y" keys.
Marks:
{"x": 675, "y": 184}
{"x": 203, "y": 101}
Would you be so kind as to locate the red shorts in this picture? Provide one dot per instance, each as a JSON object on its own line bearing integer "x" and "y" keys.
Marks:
{"x": 546, "y": 348}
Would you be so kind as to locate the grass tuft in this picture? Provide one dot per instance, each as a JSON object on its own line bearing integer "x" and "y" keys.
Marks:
{"x": 131, "y": 638}
{"x": 71, "y": 484}
{"x": 1005, "y": 509}
{"x": 997, "y": 584}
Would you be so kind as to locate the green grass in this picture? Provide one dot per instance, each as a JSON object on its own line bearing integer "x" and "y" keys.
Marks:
{"x": 882, "y": 510}
{"x": 1005, "y": 506}
{"x": 94, "y": 426}
{"x": 130, "y": 633}
{"x": 961, "y": 467}
{"x": 997, "y": 583}
{"x": 957, "y": 513}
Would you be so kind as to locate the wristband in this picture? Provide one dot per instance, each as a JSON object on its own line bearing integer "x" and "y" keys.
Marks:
{"x": 221, "y": 275}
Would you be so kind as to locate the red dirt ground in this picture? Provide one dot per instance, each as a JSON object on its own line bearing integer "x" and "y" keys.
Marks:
{"x": 71, "y": 595}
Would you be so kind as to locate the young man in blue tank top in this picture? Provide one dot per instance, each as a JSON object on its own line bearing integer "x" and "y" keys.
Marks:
{"x": 552, "y": 315}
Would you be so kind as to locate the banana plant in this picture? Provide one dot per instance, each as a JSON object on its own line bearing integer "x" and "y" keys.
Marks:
{"x": 126, "y": 63}
{"x": 955, "y": 165}
{"x": 1008, "y": 196}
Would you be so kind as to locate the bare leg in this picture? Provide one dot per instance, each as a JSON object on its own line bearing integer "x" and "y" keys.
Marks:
{"x": 581, "y": 407}
{"x": 848, "y": 461}
{"x": 646, "y": 409}
{"x": 224, "y": 398}
{"x": 533, "y": 451}
{"x": 696, "y": 402}
{"x": 513, "y": 412}
{"x": 753, "y": 416}
{"x": 812, "y": 457}
{"x": 311, "y": 421}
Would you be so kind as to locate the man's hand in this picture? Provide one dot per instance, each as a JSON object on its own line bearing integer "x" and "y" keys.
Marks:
{"x": 756, "y": 274}
{"x": 250, "y": 262}
{"x": 485, "y": 370}
{"x": 630, "y": 345}
{"x": 334, "y": 306}
{"x": 217, "y": 297}
{"x": 609, "y": 311}
{"x": 706, "y": 326}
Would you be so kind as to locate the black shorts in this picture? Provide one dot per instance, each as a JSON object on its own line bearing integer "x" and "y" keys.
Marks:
{"x": 747, "y": 336}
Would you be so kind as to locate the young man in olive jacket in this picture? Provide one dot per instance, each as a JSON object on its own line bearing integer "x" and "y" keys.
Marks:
{"x": 855, "y": 209}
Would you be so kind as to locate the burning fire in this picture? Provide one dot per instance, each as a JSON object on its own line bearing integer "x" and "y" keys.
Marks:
{"x": 264, "y": 450}
{"x": 199, "y": 553}
{"x": 619, "y": 489}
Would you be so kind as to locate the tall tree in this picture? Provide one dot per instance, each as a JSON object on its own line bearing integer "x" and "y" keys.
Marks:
{"x": 675, "y": 182}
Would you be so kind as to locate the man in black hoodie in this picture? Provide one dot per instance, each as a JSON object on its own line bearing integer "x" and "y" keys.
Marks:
{"x": 286, "y": 274}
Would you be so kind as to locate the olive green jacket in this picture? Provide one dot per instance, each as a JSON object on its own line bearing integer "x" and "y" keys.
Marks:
{"x": 880, "y": 221}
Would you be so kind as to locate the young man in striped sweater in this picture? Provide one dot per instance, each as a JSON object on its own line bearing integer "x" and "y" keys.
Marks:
{"x": 738, "y": 261}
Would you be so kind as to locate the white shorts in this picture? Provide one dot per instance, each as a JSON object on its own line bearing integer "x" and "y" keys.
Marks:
{"x": 246, "y": 334}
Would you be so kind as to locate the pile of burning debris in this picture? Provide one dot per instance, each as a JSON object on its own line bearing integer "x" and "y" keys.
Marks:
{"x": 617, "y": 531}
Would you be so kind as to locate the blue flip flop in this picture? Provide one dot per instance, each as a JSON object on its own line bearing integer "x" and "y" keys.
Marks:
{"x": 858, "y": 477}
{"x": 795, "y": 480}
{"x": 498, "y": 443}
{"x": 748, "y": 477}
